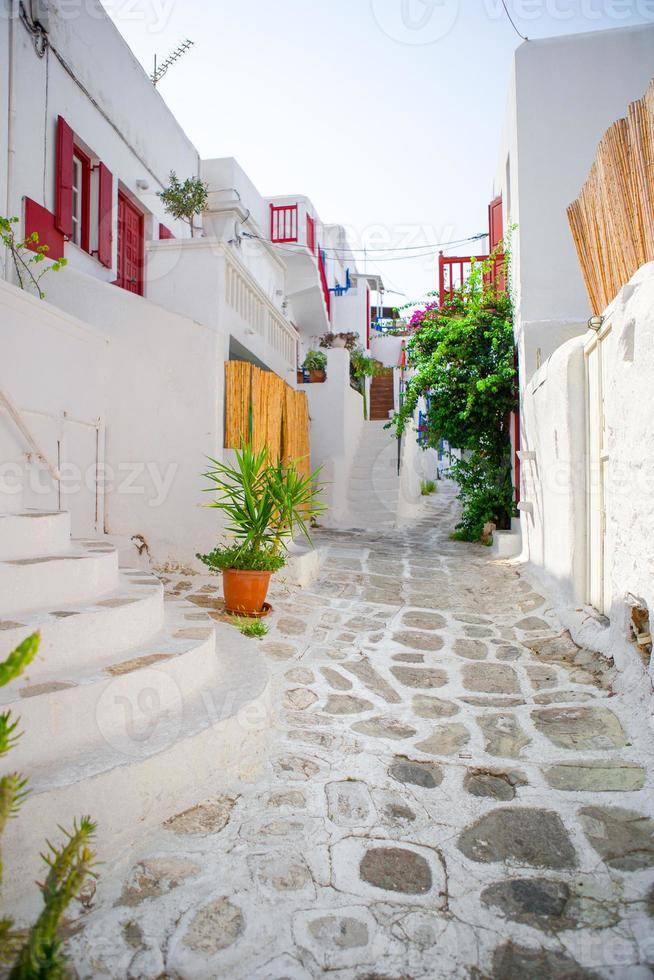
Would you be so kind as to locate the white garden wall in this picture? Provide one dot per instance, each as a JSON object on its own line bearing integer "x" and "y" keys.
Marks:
{"x": 553, "y": 466}
{"x": 561, "y": 484}
{"x": 156, "y": 379}
{"x": 336, "y": 412}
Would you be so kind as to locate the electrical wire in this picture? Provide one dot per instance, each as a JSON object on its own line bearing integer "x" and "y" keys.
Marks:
{"x": 426, "y": 249}
{"x": 506, "y": 11}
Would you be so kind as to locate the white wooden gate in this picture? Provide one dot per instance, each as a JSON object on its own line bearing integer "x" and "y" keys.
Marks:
{"x": 598, "y": 578}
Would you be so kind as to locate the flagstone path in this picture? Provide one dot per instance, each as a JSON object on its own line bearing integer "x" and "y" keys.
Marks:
{"x": 451, "y": 789}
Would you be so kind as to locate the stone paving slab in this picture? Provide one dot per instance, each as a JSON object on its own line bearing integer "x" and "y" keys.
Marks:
{"x": 452, "y": 788}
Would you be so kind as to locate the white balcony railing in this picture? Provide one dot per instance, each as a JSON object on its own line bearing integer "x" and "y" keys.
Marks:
{"x": 253, "y": 306}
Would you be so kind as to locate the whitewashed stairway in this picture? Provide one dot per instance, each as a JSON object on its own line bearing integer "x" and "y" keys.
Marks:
{"x": 128, "y": 709}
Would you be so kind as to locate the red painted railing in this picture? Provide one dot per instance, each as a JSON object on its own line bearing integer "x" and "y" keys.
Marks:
{"x": 453, "y": 270}
{"x": 323, "y": 281}
{"x": 311, "y": 233}
{"x": 283, "y": 223}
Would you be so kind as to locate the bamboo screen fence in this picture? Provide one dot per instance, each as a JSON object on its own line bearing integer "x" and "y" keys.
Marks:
{"x": 612, "y": 220}
{"x": 261, "y": 407}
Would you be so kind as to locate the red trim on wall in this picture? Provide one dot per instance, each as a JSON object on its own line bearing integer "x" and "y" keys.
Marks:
{"x": 105, "y": 216}
{"x": 64, "y": 178}
{"x": 165, "y": 233}
{"x": 39, "y": 219}
{"x": 85, "y": 238}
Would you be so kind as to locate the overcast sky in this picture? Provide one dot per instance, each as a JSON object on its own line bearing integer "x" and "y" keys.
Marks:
{"x": 386, "y": 113}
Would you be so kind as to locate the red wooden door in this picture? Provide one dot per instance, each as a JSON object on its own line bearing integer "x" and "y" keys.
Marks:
{"x": 130, "y": 247}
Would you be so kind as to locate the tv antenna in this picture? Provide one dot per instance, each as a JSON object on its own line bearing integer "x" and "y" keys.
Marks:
{"x": 161, "y": 69}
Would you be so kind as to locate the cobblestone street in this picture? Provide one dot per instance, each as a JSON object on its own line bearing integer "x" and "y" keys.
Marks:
{"x": 450, "y": 788}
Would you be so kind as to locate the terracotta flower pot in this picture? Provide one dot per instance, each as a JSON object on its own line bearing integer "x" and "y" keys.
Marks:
{"x": 316, "y": 376}
{"x": 245, "y": 592}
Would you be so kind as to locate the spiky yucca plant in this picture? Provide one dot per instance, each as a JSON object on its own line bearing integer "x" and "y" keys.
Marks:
{"x": 37, "y": 955}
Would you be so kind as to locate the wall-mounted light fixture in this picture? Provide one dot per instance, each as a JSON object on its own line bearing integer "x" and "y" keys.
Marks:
{"x": 595, "y": 322}
{"x": 142, "y": 184}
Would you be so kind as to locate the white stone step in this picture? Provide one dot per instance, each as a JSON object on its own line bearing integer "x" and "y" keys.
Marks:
{"x": 77, "y": 634}
{"x": 69, "y": 716}
{"x": 87, "y": 570}
{"x": 130, "y": 784}
{"x": 33, "y": 532}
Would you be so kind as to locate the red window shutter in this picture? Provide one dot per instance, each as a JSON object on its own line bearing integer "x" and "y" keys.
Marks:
{"x": 64, "y": 178}
{"x": 105, "y": 216}
{"x": 165, "y": 233}
{"x": 41, "y": 221}
{"x": 495, "y": 222}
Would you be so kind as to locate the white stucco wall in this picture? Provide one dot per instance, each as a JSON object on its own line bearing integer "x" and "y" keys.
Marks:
{"x": 158, "y": 384}
{"x": 336, "y": 412}
{"x": 561, "y": 486}
{"x": 629, "y": 406}
{"x": 553, "y": 467}
{"x": 564, "y": 94}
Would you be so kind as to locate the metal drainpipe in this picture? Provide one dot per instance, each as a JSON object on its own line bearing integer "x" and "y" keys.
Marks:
{"x": 10, "y": 106}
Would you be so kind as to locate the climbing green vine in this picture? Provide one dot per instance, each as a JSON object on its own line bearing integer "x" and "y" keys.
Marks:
{"x": 463, "y": 356}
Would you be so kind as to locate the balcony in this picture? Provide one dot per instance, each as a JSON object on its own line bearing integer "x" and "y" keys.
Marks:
{"x": 295, "y": 230}
{"x": 205, "y": 279}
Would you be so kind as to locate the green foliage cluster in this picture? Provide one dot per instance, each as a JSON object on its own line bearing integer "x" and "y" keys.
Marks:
{"x": 183, "y": 200}
{"x": 463, "y": 355}
{"x": 349, "y": 339}
{"x": 266, "y": 503}
{"x": 427, "y": 487}
{"x": 27, "y": 255}
{"x": 37, "y": 955}
{"x": 315, "y": 361}
{"x": 243, "y": 559}
{"x": 253, "y": 628}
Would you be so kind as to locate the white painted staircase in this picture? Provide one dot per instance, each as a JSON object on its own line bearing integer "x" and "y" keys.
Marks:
{"x": 127, "y": 710}
{"x": 378, "y": 496}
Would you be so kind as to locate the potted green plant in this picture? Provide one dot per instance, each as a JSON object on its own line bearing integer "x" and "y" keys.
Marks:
{"x": 266, "y": 503}
{"x": 344, "y": 339}
{"x": 315, "y": 363}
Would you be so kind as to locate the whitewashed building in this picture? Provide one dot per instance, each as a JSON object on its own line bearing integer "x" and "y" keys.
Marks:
{"x": 89, "y": 144}
{"x": 111, "y": 397}
{"x": 564, "y": 94}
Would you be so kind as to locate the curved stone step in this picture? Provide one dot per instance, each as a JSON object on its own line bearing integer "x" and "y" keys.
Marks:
{"x": 34, "y": 532}
{"x": 220, "y": 737}
{"x": 71, "y": 714}
{"x": 86, "y": 571}
{"x": 77, "y": 634}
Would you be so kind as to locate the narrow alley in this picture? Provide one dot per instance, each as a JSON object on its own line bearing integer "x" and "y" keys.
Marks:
{"x": 450, "y": 788}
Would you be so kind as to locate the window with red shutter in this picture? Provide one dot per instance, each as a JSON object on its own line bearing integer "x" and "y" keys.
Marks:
{"x": 495, "y": 222}
{"x": 64, "y": 178}
{"x": 105, "y": 215}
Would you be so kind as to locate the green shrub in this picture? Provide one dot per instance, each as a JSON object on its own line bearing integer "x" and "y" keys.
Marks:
{"x": 315, "y": 361}
{"x": 464, "y": 360}
{"x": 38, "y": 956}
{"x": 427, "y": 487}
{"x": 252, "y": 627}
{"x": 266, "y": 503}
{"x": 184, "y": 200}
{"x": 243, "y": 560}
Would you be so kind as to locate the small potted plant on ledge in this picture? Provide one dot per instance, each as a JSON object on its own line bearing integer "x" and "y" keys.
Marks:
{"x": 347, "y": 340}
{"x": 315, "y": 363}
{"x": 266, "y": 504}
